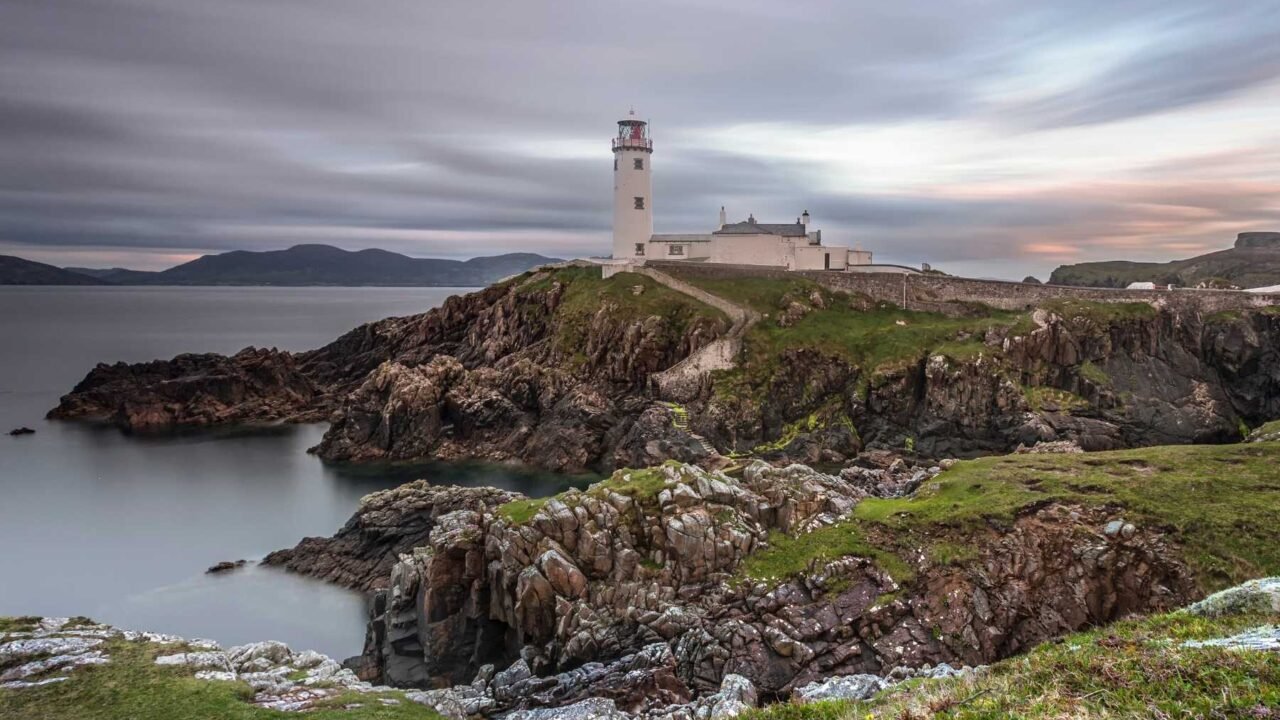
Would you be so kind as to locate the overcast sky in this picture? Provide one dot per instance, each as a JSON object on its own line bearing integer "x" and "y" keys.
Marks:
{"x": 988, "y": 137}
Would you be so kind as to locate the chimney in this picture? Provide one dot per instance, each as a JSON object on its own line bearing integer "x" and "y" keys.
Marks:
{"x": 723, "y": 221}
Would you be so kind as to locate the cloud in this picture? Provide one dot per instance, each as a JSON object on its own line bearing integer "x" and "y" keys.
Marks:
{"x": 139, "y": 131}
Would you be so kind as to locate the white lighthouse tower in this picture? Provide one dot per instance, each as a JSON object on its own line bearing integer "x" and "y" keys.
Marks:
{"x": 632, "y": 189}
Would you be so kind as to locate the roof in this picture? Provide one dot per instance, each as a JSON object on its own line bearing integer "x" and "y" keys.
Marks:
{"x": 754, "y": 228}
{"x": 680, "y": 238}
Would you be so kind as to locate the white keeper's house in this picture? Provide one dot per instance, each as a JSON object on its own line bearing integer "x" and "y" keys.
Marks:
{"x": 794, "y": 246}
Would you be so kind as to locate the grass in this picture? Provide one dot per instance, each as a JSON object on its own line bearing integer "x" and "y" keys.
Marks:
{"x": 1100, "y": 313}
{"x": 133, "y": 687}
{"x": 1133, "y": 669}
{"x": 1219, "y": 501}
{"x": 786, "y": 556}
{"x": 871, "y": 336}
{"x": 764, "y": 295}
{"x": 519, "y": 512}
{"x": 1268, "y": 428}
{"x": 1094, "y": 374}
{"x": 1053, "y": 399}
{"x": 947, "y": 552}
{"x": 585, "y": 296}
{"x": 641, "y": 485}
{"x": 18, "y": 624}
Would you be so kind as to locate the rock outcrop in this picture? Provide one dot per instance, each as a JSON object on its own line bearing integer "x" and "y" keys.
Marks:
{"x": 575, "y": 592}
{"x": 196, "y": 391}
{"x": 388, "y": 524}
{"x": 558, "y": 369}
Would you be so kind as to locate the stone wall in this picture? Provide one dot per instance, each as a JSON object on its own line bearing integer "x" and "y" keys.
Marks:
{"x": 933, "y": 292}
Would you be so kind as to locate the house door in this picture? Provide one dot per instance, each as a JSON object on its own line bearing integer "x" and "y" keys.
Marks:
{"x": 826, "y": 261}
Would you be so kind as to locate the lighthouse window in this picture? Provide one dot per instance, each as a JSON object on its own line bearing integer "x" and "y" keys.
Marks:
{"x": 639, "y": 248}
{"x": 639, "y": 163}
{"x": 639, "y": 203}
{"x": 615, "y": 164}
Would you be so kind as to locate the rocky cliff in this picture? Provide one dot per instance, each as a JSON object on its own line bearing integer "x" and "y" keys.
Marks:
{"x": 825, "y": 375}
{"x": 550, "y": 369}
{"x": 677, "y": 578}
{"x": 556, "y": 369}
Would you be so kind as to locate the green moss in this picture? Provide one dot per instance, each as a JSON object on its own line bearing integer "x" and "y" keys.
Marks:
{"x": 1053, "y": 399}
{"x": 1133, "y": 669}
{"x": 1094, "y": 374}
{"x": 787, "y": 556}
{"x": 519, "y": 512}
{"x": 133, "y": 687}
{"x": 789, "y": 433}
{"x": 1225, "y": 317}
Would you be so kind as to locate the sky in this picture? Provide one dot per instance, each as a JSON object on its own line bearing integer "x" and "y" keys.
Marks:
{"x": 993, "y": 138}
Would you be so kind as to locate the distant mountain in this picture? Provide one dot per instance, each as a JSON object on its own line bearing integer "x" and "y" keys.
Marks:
{"x": 1253, "y": 262}
{"x": 326, "y": 265}
{"x": 16, "y": 271}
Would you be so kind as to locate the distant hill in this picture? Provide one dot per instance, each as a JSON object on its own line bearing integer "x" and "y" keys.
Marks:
{"x": 116, "y": 276}
{"x": 1253, "y": 262}
{"x": 303, "y": 265}
{"x": 16, "y": 271}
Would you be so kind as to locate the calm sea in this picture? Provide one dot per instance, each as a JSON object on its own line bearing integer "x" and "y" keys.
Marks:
{"x": 119, "y": 528}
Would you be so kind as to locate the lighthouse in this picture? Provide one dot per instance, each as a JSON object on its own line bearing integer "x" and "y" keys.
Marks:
{"x": 632, "y": 188}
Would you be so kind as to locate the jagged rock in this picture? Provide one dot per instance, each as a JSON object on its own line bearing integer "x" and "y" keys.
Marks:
{"x": 446, "y": 702}
{"x": 272, "y": 653}
{"x": 1065, "y": 447}
{"x": 225, "y": 566}
{"x": 195, "y": 390}
{"x": 21, "y": 431}
{"x": 387, "y": 524}
{"x": 846, "y": 687}
{"x": 57, "y": 662}
{"x": 1260, "y": 596}
{"x": 1259, "y": 639}
{"x": 593, "y": 709}
{"x": 28, "y": 648}
{"x": 200, "y": 660}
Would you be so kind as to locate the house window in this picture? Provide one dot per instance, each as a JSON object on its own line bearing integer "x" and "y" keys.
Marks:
{"x": 639, "y": 203}
{"x": 639, "y": 163}
{"x": 639, "y": 248}
{"x": 675, "y": 249}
